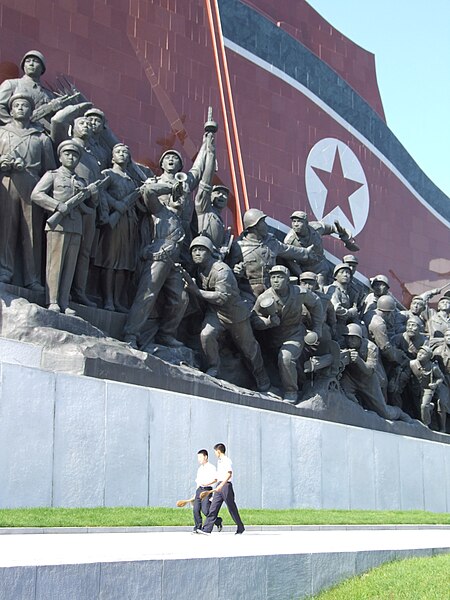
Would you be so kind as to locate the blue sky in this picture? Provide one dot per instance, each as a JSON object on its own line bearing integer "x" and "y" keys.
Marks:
{"x": 411, "y": 43}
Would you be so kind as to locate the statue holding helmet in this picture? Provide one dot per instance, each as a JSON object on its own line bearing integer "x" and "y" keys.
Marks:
{"x": 279, "y": 311}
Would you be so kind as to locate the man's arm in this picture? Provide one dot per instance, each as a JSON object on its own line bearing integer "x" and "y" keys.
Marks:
{"x": 151, "y": 192}
{"x": 224, "y": 481}
{"x": 203, "y": 196}
{"x": 301, "y": 255}
{"x": 314, "y": 306}
{"x": 6, "y": 91}
{"x": 195, "y": 172}
{"x": 41, "y": 193}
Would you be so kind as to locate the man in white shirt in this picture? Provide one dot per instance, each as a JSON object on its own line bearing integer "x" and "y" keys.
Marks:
{"x": 223, "y": 493}
{"x": 206, "y": 477}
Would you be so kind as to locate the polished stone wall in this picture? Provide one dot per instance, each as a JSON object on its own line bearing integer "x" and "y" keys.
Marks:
{"x": 68, "y": 440}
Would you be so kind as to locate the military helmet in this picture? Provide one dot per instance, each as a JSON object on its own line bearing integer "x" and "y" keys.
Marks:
{"x": 381, "y": 278}
{"x": 415, "y": 319}
{"x": 280, "y": 269}
{"x": 19, "y": 95}
{"x": 311, "y": 338}
{"x": 308, "y": 276}
{"x": 350, "y": 259}
{"x": 427, "y": 349}
{"x": 299, "y": 214}
{"x": 203, "y": 241}
{"x": 386, "y": 303}
{"x": 443, "y": 301}
{"x": 36, "y": 54}
{"x": 164, "y": 154}
{"x": 223, "y": 188}
{"x": 353, "y": 329}
{"x": 252, "y": 217}
{"x": 340, "y": 266}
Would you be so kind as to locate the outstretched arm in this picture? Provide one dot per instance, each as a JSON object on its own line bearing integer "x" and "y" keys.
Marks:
{"x": 203, "y": 196}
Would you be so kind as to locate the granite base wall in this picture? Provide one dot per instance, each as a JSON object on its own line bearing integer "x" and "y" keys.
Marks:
{"x": 68, "y": 440}
{"x": 277, "y": 577}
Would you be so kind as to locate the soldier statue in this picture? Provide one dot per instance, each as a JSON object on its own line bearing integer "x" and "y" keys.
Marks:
{"x": 225, "y": 311}
{"x": 171, "y": 164}
{"x": 429, "y": 389}
{"x": 439, "y": 321}
{"x": 308, "y": 280}
{"x": 255, "y": 252}
{"x": 26, "y": 152}
{"x": 160, "y": 270}
{"x": 346, "y": 311}
{"x": 117, "y": 248}
{"x": 96, "y": 142}
{"x": 210, "y": 202}
{"x": 63, "y": 193}
{"x": 305, "y": 234}
{"x": 279, "y": 310}
{"x": 442, "y": 355}
{"x": 360, "y": 380}
{"x": 33, "y": 66}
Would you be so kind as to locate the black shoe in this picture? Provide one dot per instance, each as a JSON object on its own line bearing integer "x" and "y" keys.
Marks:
{"x": 219, "y": 525}
{"x": 240, "y": 531}
{"x": 195, "y": 530}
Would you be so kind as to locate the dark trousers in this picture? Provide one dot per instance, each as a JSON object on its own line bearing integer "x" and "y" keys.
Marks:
{"x": 202, "y": 506}
{"x": 226, "y": 495}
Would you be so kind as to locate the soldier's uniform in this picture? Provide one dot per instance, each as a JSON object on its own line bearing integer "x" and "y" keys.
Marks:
{"x": 117, "y": 247}
{"x": 209, "y": 220}
{"x": 318, "y": 264}
{"x": 410, "y": 346}
{"x": 233, "y": 315}
{"x": 87, "y": 169}
{"x": 361, "y": 383}
{"x": 438, "y": 324}
{"x": 63, "y": 242}
{"x": 159, "y": 273}
{"x": 422, "y": 391}
{"x": 287, "y": 338}
{"x": 342, "y": 303}
{"x": 23, "y": 85}
{"x": 192, "y": 181}
{"x": 18, "y": 219}
{"x": 258, "y": 257}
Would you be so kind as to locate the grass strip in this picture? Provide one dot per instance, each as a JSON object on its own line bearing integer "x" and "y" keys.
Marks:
{"x": 165, "y": 517}
{"x": 409, "y": 579}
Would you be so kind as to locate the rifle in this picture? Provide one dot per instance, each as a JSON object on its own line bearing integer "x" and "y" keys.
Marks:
{"x": 225, "y": 249}
{"x": 51, "y": 107}
{"x": 56, "y": 218}
{"x": 129, "y": 201}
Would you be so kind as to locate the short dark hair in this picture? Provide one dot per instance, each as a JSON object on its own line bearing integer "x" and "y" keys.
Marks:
{"x": 220, "y": 448}
{"x": 204, "y": 452}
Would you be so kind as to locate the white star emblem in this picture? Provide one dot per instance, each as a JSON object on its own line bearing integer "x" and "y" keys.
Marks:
{"x": 336, "y": 185}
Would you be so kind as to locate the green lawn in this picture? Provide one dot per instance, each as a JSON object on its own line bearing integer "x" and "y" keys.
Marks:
{"x": 411, "y": 579}
{"x": 133, "y": 517}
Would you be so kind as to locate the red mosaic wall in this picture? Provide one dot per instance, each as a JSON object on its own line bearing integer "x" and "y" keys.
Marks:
{"x": 149, "y": 66}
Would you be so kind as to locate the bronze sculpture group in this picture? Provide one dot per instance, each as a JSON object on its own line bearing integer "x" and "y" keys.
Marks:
{"x": 161, "y": 253}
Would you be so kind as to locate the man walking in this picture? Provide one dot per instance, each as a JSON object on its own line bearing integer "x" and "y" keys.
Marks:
{"x": 223, "y": 493}
{"x": 206, "y": 477}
